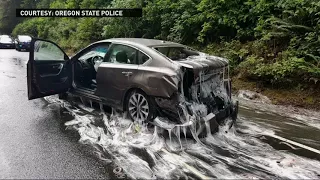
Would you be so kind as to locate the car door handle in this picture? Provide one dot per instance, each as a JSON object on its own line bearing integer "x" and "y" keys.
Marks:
{"x": 127, "y": 73}
{"x": 57, "y": 66}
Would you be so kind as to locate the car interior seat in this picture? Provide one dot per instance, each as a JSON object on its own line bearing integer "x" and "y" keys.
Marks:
{"x": 122, "y": 57}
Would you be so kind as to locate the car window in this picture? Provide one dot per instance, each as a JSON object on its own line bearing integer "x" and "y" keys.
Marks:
{"x": 24, "y": 38}
{"x": 163, "y": 50}
{"x": 176, "y": 53}
{"x": 6, "y": 40}
{"x": 142, "y": 58}
{"x": 122, "y": 54}
{"x": 44, "y": 51}
{"x": 100, "y": 51}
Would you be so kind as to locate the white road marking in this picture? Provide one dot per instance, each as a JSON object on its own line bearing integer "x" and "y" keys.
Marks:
{"x": 294, "y": 143}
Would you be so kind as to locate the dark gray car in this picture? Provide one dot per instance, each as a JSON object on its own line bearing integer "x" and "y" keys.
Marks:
{"x": 145, "y": 77}
{"x": 22, "y": 42}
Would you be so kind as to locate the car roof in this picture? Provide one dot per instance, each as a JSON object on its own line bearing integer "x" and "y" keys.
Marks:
{"x": 142, "y": 41}
{"x": 4, "y": 36}
{"x": 24, "y": 36}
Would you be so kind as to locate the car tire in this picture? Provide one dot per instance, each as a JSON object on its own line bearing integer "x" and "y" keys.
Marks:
{"x": 137, "y": 99}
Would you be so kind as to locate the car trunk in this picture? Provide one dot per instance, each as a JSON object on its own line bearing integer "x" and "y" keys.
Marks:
{"x": 205, "y": 90}
{"x": 205, "y": 86}
{"x": 206, "y": 79}
{"x": 203, "y": 101}
{"x": 204, "y": 98}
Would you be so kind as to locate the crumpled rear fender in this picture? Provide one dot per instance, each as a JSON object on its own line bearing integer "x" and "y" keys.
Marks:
{"x": 159, "y": 82}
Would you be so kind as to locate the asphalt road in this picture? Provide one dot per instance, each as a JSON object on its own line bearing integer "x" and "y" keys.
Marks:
{"x": 32, "y": 143}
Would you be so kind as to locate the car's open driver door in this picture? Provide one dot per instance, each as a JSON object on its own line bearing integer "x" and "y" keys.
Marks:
{"x": 49, "y": 69}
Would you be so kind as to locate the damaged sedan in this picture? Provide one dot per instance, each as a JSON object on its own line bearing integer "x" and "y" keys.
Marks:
{"x": 146, "y": 78}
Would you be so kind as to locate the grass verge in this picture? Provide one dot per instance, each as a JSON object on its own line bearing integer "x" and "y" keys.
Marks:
{"x": 303, "y": 98}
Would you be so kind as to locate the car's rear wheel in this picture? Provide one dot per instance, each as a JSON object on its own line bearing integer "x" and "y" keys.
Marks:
{"x": 140, "y": 107}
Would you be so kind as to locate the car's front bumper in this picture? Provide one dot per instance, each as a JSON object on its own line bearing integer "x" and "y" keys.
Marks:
{"x": 23, "y": 46}
{"x": 6, "y": 46}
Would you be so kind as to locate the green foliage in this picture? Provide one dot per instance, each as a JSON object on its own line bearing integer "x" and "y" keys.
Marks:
{"x": 8, "y": 18}
{"x": 121, "y": 27}
{"x": 273, "y": 41}
{"x": 31, "y": 27}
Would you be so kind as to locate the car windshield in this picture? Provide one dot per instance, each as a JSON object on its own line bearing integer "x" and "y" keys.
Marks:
{"x": 176, "y": 52}
{"x": 24, "y": 38}
{"x": 6, "y": 40}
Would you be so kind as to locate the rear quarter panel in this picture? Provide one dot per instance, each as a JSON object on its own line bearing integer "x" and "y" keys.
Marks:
{"x": 157, "y": 81}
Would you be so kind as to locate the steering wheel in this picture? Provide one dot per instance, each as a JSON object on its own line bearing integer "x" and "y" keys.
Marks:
{"x": 96, "y": 59}
{"x": 96, "y": 62}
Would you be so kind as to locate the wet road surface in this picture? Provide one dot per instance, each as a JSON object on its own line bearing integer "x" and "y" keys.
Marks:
{"x": 251, "y": 149}
{"x": 34, "y": 144}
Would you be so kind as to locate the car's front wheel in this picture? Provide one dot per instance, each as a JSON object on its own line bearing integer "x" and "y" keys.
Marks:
{"x": 140, "y": 107}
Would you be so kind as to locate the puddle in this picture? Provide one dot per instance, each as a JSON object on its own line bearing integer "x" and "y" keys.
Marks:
{"x": 137, "y": 152}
